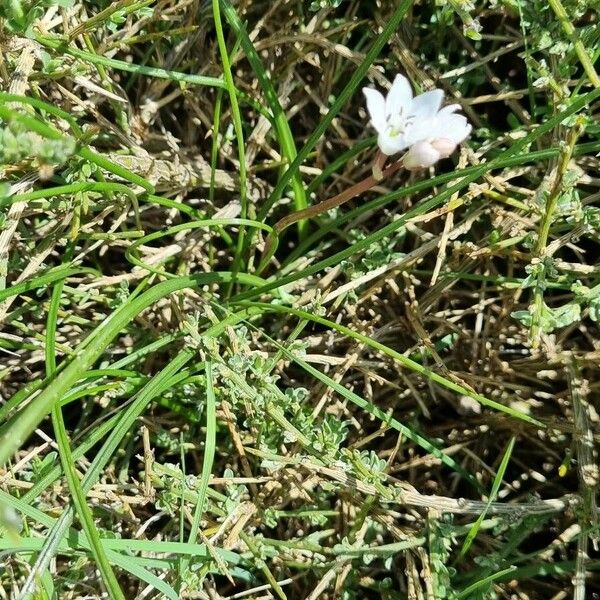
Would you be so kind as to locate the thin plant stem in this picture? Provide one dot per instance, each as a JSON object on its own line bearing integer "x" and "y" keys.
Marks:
{"x": 547, "y": 219}
{"x": 318, "y": 209}
{"x": 569, "y": 29}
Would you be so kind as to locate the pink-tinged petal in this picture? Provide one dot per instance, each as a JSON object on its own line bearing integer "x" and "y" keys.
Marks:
{"x": 399, "y": 97}
{"x": 376, "y": 108}
{"x": 426, "y": 105}
{"x": 444, "y": 146}
{"x": 391, "y": 145}
{"x": 420, "y": 156}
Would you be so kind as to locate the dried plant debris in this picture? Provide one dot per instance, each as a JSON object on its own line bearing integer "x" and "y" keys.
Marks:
{"x": 250, "y": 350}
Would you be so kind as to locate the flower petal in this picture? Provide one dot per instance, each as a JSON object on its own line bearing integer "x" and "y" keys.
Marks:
{"x": 426, "y": 105}
{"x": 390, "y": 145}
{"x": 449, "y": 109}
{"x": 420, "y": 156}
{"x": 399, "y": 97}
{"x": 376, "y": 108}
{"x": 444, "y": 146}
{"x": 453, "y": 127}
{"x": 421, "y": 129}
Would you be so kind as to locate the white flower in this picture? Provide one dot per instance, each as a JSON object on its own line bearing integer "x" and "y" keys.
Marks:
{"x": 416, "y": 123}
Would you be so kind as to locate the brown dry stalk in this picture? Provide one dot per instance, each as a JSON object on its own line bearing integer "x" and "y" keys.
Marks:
{"x": 325, "y": 205}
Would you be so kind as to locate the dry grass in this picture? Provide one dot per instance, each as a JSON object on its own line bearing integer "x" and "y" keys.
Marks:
{"x": 403, "y": 405}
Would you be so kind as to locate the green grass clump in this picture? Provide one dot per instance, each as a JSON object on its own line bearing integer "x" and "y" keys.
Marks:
{"x": 394, "y": 398}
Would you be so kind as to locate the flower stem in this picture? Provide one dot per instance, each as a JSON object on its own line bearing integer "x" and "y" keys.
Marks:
{"x": 378, "y": 165}
{"x": 317, "y": 209}
{"x": 569, "y": 29}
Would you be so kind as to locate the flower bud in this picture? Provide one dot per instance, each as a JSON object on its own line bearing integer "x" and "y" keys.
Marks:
{"x": 444, "y": 146}
{"x": 420, "y": 156}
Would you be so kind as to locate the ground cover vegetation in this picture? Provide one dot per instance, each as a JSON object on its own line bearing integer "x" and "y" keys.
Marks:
{"x": 243, "y": 354}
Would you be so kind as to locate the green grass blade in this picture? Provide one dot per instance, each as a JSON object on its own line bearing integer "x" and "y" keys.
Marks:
{"x": 73, "y": 188}
{"x": 494, "y": 492}
{"x": 284, "y": 133}
{"x": 41, "y": 105}
{"x": 120, "y": 65}
{"x": 131, "y": 253}
{"x": 131, "y": 565}
{"x": 209, "y": 452}
{"x": 207, "y": 461}
{"x": 82, "y": 509}
{"x": 100, "y": 431}
{"x": 468, "y": 592}
{"x": 239, "y": 134}
{"x": 49, "y": 277}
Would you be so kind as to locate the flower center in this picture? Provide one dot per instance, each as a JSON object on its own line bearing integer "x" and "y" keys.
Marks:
{"x": 397, "y": 124}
